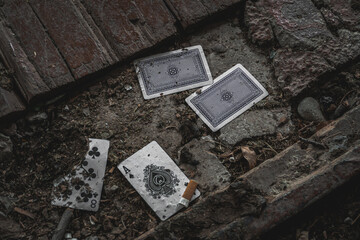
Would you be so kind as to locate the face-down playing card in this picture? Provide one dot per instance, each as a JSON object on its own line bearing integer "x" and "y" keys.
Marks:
{"x": 232, "y": 93}
{"x": 158, "y": 180}
{"x": 81, "y": 189}
{"x": 173, "y": 72}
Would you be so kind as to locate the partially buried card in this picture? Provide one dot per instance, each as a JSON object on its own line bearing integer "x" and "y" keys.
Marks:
{"x": 232, "y": 93}
{"x": 173, "y": 72}
{"x": 158, "y": 180}
{"x": 81, "y": 189}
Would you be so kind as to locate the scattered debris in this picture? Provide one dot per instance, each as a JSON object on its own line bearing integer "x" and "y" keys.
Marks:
{"x": 250, "y": 156}
{"x": 317, "y": 144}
{"x": 309, "y": 109}
{"x": 156, "y": 177}
{"x": 6, "y": 147}
{"x": 24, "y": 212}
{"x": 302, "y": 235}
{"x": 128, "y": 87}
{"x": 188, "y": 193}
{"x": 37, "y": 117}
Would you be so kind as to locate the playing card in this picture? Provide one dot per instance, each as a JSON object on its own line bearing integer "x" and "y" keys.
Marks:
{"x": 173, "y": 72}
{"x": 158, "y": 180}
{"x": 232, "y": 93}
{"x": 81, "y": 189}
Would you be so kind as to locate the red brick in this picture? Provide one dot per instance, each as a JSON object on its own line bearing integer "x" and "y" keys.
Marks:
{"x": 74, "y": 37}
{"x": 190, "y": 12}
{"x": 26, "y": 77}
{"x": 36, "y": 43}
{"x": 10, "y": 104}
{"x": 131, "y": 26}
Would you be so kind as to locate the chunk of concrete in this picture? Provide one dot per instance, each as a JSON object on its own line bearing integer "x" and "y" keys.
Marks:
{"x": 199, "y": 164}
{"x": 257, "y": 123}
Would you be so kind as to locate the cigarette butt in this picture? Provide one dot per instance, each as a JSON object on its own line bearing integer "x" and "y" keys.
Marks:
{"x": 188, "y": 193}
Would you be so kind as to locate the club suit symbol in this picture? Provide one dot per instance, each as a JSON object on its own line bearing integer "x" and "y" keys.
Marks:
{"x": 94, "y": 152}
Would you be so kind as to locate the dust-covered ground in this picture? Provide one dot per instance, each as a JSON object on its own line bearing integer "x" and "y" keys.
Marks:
{"x": 52, "y": 138}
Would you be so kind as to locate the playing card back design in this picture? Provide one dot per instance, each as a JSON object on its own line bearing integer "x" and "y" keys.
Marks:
{"x": 232, "y": 93}
{"x": 81, "y": 189}
{"x": 156, "y": 177}
{"x": 173, "y": 72}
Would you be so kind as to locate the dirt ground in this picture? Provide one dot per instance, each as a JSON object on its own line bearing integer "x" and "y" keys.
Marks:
{"x": 52, "y": 138}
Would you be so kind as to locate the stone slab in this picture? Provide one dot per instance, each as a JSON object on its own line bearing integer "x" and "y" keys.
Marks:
{"x": 298, "y": 24}
{"x": 132, "y": 26}
{"x": 204, "y": 167}
{"x": 345, "y": 12}
{"x": 256, "y": 123}
{"x": 36, "y": 43}
{"x": 26, "y": 76}
{"x": 295, "y": 70}
{"x": 10, "y": 104}
{"x": 190, "y": 12}
{"x": 74, "y": 37}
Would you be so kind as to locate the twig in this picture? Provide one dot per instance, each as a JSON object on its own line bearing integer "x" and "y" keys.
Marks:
{"x": 355, "y": 220}
{"x": 64, "y": 222}
{"x": 320, "y": 145}
{"x": 309, "y": 125}
{"x": 271, "y": 147}
{"x": 347, "y": 94}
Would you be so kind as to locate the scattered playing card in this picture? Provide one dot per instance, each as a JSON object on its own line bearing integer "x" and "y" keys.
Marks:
{"x": 173, "y": 72}
{"x": 232, "y": 93}
{"x": 158, "y": 180}
{"x": 81, "y": 189}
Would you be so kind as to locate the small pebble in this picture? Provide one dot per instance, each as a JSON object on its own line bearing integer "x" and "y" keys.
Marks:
{"x": 128, "y": 87}
{"x": 348, "y": 220}
{"x": 309, "y": 109}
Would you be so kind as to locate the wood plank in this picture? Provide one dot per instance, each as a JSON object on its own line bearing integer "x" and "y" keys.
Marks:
{"x": 10, "y": 104}
{"x": 132, "y": 26}
{"x": 36, "y": 43}
{"x": 77, "y": 42}
{"x": 190, "y": 12}
{"x": 26, "y": 77}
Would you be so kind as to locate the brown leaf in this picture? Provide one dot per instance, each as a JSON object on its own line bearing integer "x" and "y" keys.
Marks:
{"x": 250, "y": 156}
{"x": 283, "y": 120}
{"x": 24, "y": 212}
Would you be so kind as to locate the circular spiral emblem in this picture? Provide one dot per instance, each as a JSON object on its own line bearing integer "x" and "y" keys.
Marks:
{"x": 226, "y": 96}
{"x": 160, "y": 181}
{"x": 173, "y": 71}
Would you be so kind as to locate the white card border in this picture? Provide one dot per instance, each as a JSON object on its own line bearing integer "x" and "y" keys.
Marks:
{"x": 180, "y": 89}
{"x": 238, "y": 113}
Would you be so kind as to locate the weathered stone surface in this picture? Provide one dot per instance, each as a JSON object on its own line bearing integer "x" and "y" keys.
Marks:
{"x": 205, "y": 168}
{"x": 26, "y": 77}
{"x": 132, "y": 26}
{"x": 259, "y": 25}
{"x": 73, "y": 36}
{"x": 189, "y": 12}
{"x": 344, "y": 10}
{"x": 295, "y": 70}
{"x": 309, "y": 109}
{"x": 341, "y": 50}
{"x": 37, "y": 44}
{"x": 256, "y": 123}
{"x": 304, "y": 179}
{"x": 10, "y": 104}
{"x": 298, "y": 24}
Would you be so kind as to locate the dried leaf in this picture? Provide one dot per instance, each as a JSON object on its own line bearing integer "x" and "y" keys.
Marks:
{"x": 283, "y": 120}
{"x": 250, "y": 156}
{"x": 24, "y": 212}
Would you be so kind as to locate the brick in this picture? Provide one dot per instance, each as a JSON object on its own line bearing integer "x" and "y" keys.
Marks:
{"x": 132, "y": 26}
{"x": 10, "y": 104}
{"x": 37, "y": 44}
{"x": 74, "y": 37}
{"x": 190, "y": 12}
{"x": 26, "y": 76}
